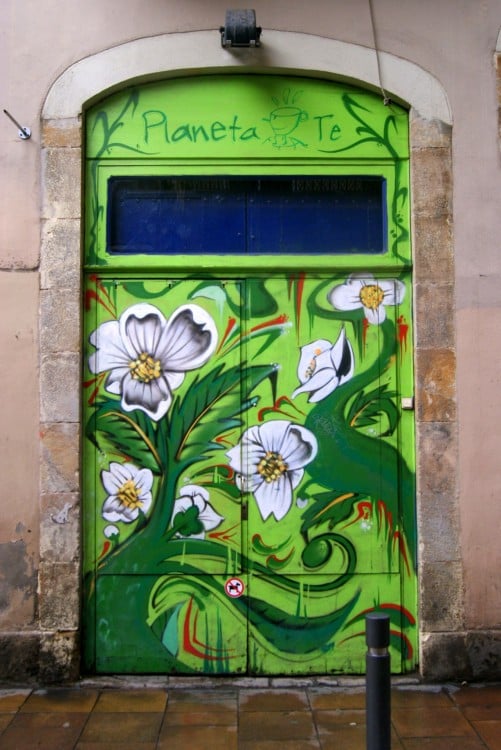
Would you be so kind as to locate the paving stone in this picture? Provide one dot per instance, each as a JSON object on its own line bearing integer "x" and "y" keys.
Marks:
{"x": 56, "y": 699}
{"x": 490, "y": 732}
{"x": 430, "y": 722}
{"x": 329, "y": 699}
{"x": 276, "y": 725}
{"x": 131, "y": 701}
{"x": 121, "y": 727}
{"x": 200, "y": 738}
{"x": 273, "y": 700}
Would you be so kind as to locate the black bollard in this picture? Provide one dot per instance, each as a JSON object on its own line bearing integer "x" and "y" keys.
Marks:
{"x": 378, "y": 682}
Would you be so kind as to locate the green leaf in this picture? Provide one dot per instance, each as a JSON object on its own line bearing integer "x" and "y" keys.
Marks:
{"x": 210, "y": 407}
{"x": 109, "y": 426}
{"x": 329, "y": 506}
{"x": 367, "y": 408}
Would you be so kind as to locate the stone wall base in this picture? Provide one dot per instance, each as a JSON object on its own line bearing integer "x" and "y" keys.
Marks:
{"x": 473, "y": 656}
{"x": 54, "y": 657}
{"x": 39, "y": 657}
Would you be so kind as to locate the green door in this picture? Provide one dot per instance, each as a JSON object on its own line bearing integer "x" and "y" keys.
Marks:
{"x": 248, "y": 480}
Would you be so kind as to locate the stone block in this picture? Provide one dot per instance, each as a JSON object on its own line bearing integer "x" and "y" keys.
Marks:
{"x": 60, "y": 321}
{"x": 437, "y": 458}
{"x": 484, "y": 653}
{"x": 428, "y": 133}
{"x": 19, "y": 657}
{"x": 441, "y": 596}
{"x": 18, "y": 584}
{"x": 434, "y": 305}
{"x": 61, "y": 183}
{"x": 444, "y": 657}
{"x": 436, "y": 385}
{"x": 59, "y": 657}
{"x": 60, "y": 255}
{"x": 433, "y": 251}
{"x": 60, "y": 387}
{"x": 64, "y": 133}
{"x": 59, "y": 590}
{"x": 431, "y": 181}
{"x": 438, "y": 528}
{"x": 60, "y": 458}
{"x": 60, "y": 527}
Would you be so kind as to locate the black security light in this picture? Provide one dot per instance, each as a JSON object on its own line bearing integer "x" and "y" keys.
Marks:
{"x": 240, "y": 29}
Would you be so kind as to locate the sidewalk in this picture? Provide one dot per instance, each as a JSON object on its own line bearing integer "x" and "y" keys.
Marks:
{"x": 243, "y": 718}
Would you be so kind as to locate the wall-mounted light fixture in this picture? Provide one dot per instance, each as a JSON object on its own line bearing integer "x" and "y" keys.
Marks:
{"x": 240, "y": 29}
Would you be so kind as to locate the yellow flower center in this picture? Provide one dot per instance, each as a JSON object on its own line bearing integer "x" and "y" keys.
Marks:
{"x": 129, "y": 495}
{"x": 145, "y": 368}
{"x": 313, "y": 364}
{"x": 371, "y": 296}
{"x": 272, "y": 466}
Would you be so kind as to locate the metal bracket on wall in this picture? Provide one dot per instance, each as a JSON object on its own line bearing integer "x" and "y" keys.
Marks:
{"x": 23, "y": 132}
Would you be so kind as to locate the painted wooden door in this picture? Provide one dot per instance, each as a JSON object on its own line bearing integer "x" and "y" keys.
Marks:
{"x": 250, "y": 497}
{"x": 248, "y": 464}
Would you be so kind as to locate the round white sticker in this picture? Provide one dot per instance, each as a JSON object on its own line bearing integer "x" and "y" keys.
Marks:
{"x": 234, "y": 587}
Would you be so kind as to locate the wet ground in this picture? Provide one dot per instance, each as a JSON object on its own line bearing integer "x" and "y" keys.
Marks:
{"x": 198, "y": 717}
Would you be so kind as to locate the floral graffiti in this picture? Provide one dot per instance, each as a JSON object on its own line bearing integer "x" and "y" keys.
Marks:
{"x": 176, "y": 418}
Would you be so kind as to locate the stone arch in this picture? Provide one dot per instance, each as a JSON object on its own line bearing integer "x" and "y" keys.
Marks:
{"x": 173, "y": 55}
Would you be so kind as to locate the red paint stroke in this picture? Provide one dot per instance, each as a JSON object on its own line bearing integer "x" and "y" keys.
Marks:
{"x": 223, "y": 439}
{"x": 90, "y": 294}
{"x": 399, "y": 540}
{"x": 384, "y": 512}
{"x": 385, "y": 605}
{"x": 205, "y": 645}
{"x": 280, "y": 560}
{"x": 224, "y": 534}
{"x": 189, "y": 643}
{"x": 403, "y": 330}
{"x": 279, "y": 320}
{"x": 229, "y": 328}
{"x": 365, "y": 326}
{"x": 106, "y": 547}
{"x": 398, "y": 608}
{"x": 97, "y": 381}
{"x": 364, "y": 513}
{"x": 277, "y": 408}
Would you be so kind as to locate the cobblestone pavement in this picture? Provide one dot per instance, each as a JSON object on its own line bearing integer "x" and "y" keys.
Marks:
{"x": 94, "y": 717}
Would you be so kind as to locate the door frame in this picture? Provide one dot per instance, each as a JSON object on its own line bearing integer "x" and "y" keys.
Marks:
{"x": 437, "y": 427}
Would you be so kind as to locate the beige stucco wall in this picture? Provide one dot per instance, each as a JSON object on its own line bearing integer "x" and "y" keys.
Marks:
{"x": 454, "y": 43}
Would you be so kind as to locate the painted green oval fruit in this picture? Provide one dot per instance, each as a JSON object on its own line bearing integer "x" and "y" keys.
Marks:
{"x": 317, "y": 552}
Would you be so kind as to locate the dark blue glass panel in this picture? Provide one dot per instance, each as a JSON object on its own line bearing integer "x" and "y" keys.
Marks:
{"x": 254, "y": 215}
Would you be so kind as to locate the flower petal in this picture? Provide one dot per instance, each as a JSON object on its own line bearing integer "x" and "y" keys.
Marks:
{"x": 377, "y": 316}
{"x": 343, "y": 358}
{"x": 274, "y": 498}
{"x": 141, "y": 328}
{"x": 299, "y": 447}
{"x": 189, "y": 339}
{"x": 346, "y": 296}
{"x": 192, "y": 490}
{"x": 320, "y": 385}
{"x": 154, "y": 398}
{"x": 111, "y": 352}
{"x": 210, "y": 518}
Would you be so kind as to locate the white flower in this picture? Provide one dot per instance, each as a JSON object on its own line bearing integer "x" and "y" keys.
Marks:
{"x": 147, "y": 355}
{"x": 269, "y": 462}
{"x": 193, "y": 515}
{"x": 129, "y": 491}
{"x": 323, "y": 366}
{"x": 364, "y": 291}
{"x": 111, "y": 531}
